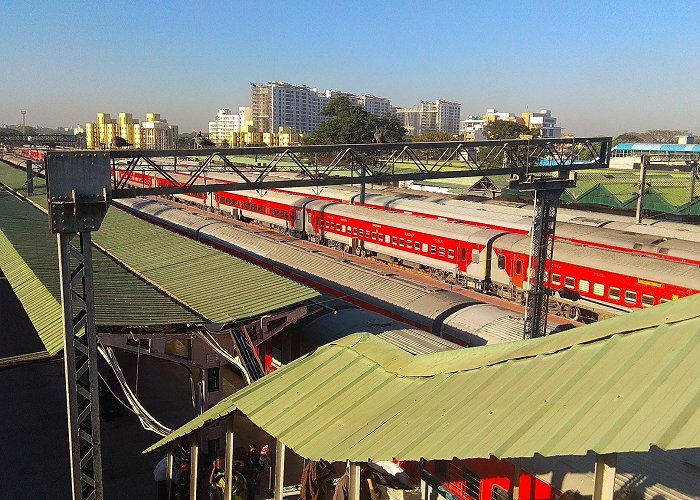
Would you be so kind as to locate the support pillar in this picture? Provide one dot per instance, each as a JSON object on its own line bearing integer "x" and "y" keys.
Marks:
{"x": 516, "y": 479}
{"x": 169, "y": 472}
{"x": 194, "y": 465}
{"x": 354, "y": 483}
{"x": 80, "y": 362}
{"x": 604, "y": 476}
{"x": 279, "y": 469}
{"x": 642, "y": 186}
{"x": 30, "y": 177}
{"x": 228, "y": 468}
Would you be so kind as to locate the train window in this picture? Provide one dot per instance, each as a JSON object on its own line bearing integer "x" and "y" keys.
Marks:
{"x": 235, "y": 204}
{"x": 569, "y": 282}
{"x": 416, "y": 245}
{"x": 246, "y": 205}
{"x": 284, "y": 214}
{"x": 276, "y": 212}
{"x": 433, "y": 249}
{"x": 583, "y": 286}
{"x": 261, "y": 209}
{"x": 450, "y": 254}
{"x": 630, "y": 296}
{"x": 556, "y": 279}
{"x": 598, "y": 289}
{"x": 424, "y": 248}
{"x": 614, "y": 293}
{"x": 401, "y": 242}
{"x": 501, "y": 262}
{"x": 663, "y": 301}
{"x": 464, "y": 254}
{"x": 394, "y": 239}
{"x": 343, "y": 229}
{"x": 475, "y": 256}
{"x": 374, "y": 235}
{"x": 354, "y": 231}
{"x": 518, "y": 267}
{"x": 254, "y": 207}
{"x": 441, "y": 252}
{"x": 498, "y": 493}
{"x": 387, "y": 239}
{"x": 409, "y": 244}
{"x": 647, "y": 300}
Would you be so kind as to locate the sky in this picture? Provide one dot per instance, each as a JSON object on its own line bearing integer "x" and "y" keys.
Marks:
{"x": 601, "y": 67}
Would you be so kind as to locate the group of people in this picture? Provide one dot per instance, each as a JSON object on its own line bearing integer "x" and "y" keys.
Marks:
{"x": 316, "y": 476}
{"x": 245, "y": 474}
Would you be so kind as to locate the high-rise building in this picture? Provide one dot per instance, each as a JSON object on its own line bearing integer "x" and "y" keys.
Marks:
{"x": 378, "y": 106}
{"x": 224, "y": 125}
{"x": 431, "y": 116}
{"x": 154, "y": 133}
{"x": 279, "y": 104}
{"x": 544, "y": 122}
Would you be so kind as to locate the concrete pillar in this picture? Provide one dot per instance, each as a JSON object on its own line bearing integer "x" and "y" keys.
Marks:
{"x": 604, "y": 476}
{"x": 279, "y": 469}
{"x": 354, "y": 483}
{"x": 194, "y": 466}
{"x": 228, "y": 468}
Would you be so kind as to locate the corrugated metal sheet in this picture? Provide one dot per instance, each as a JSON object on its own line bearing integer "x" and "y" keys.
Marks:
{"x": 619, "y": 385}
{"x": 121, "y": 299}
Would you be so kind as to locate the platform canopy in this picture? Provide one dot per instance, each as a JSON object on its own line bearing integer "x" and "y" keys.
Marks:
{"x": 620, "y": 385}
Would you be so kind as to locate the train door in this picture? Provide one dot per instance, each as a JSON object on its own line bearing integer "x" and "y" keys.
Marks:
{"x": 519, "y": 269}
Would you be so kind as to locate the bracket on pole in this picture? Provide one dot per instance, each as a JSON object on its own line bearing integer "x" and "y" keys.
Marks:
{"x": 78, "y": 195}
{"x": 547, "y": 191}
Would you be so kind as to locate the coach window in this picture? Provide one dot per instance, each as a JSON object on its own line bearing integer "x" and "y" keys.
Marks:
{"x": 498, "y": 493}
{"x": 598, "y": 289}
{"x": 663, "y": 301}
{"x": 276, "y": 212}
{"x": 630, "y": 297}
{"x": 424, "y": 248}
{"x": 614, "y": 293}
{"x": 254, "y": 207}
{"x": 647, "y": 300}
{"x": 441, "y": 252}
{"x": 475, "y": 257}
{"x": 518, "y": 267}
{"x": 501, "y": 262}
{"x": 416, "y": 246}
{"x": 433, "y": 249}
{"x": 556, "y": 279}
{"x": 451, "y": 254}
{"x": 246, "y": 205}
{"x": 583, "y": 286}
{"x": 409, "y": 244}
{"x": 401, "y": 241}
{"x": 354, "y": 231}
{"x": 394, "y": 240}
{"x": 569, "y": 282}
{"x": 284, "y": 214}
{"x": 374, "y": 235}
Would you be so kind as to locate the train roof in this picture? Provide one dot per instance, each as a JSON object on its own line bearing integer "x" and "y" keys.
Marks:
{"x": 274, "y": 196}
{"x": 636, "y": 266}
{"x": 444, "y": 229}
{"x": 482, "y": 324}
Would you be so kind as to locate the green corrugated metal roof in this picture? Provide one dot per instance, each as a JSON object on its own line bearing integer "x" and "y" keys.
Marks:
{"x": 624, "y": 384}
{"x": 218, "y": 286}
{"x": 121, "y": 299}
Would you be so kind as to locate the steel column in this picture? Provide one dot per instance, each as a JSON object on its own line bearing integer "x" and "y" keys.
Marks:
{"x": 604, "y": 476}
{"x": 80, "y": 359}
{"x": 228, "y": 464}
{"x": 354, "y": 481}
{"x": 194, "y": 465}
{"x": 643, "y": 162}
{"x": 279, "y": 469}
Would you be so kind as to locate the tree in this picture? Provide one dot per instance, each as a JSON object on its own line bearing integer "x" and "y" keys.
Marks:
{"x": 186, "y": 140}
{"x": 433, "y": 137}
{"x": 627, "y": 137}
{"x": 663, "y": 136}
{"x": 502, "y": 129}
{"x": 350, "y": 124}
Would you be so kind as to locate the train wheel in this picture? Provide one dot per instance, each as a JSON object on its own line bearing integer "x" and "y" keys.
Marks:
{"x": 358, "y": 251}
{"x": 364, "y": 252}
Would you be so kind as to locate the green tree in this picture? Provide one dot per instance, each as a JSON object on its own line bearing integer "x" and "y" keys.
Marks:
{"x": 627, "y": 137}
{"x": 350, "y": 124}
{"x": 502, "y": 129}
{"x": 433, "y": 137}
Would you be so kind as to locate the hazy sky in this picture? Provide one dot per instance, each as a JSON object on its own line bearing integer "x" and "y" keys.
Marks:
{"x": 601, "y": 67}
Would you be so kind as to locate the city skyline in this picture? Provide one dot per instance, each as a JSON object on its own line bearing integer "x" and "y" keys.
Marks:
{"x": 602, "y": 69}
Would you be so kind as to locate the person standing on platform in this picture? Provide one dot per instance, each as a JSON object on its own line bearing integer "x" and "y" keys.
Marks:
{"x": 368, "y": 485}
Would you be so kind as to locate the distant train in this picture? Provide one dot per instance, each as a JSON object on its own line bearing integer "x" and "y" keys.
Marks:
{"x": 588, "y": 282}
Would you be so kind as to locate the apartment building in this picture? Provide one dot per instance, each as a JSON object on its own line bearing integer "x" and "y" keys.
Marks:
{"x": 154, "y": 133}
{"x": 472, "y": 128}
{"x": 279, "y": 104}
{"x": 377, "y": 106}
{"x": 431, "y": 116}
{"x": 544, "y": 121}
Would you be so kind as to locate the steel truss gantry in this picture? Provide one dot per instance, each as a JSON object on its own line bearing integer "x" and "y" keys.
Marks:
{"x": 82, "y": 183}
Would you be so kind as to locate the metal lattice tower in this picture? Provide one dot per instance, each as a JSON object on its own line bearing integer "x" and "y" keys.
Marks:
{"x": 547, "y": 194}
{"x": 78, "y": 189}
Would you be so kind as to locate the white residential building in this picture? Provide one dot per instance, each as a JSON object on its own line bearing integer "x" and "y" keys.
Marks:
{"x": 378, "y": 106}
{"x": 472, "y": 128}
{"x": 279, "y": 104}
{"x": 544, "y": 121}
{"x": 223, "y": 125}
{"x": 431, "y": 116}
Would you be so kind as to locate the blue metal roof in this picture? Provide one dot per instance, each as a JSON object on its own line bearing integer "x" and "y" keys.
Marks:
{"x": 668, "y": 148}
